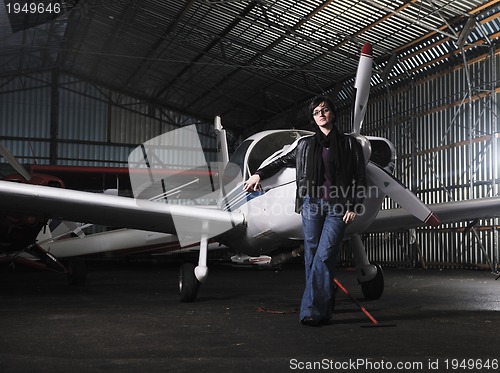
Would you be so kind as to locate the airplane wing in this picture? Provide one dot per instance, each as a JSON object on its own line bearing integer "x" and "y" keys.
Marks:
{"x": 115, "y": 211}
{"x": 449, "y": 212}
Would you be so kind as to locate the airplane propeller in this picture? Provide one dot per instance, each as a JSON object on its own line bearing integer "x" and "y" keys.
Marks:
{"x": 387, "y": 183}
{"x": 400, "y": 194}
{"x": 362, "y": 87}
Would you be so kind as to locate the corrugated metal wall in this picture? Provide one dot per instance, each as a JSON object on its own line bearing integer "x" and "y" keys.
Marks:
{"x": 55, "y": 118}
{"x": 447, "y": 149}
{"x": 26, "y": 100}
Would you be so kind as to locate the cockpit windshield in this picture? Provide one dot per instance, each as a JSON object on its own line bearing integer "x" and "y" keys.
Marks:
{"x": 260, "y": 150}
{"x": 234, "y": 169}
{"x": 238, "y": 157}
{"x": 269, "y": 145}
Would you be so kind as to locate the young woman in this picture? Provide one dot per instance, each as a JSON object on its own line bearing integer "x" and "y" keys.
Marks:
{"x": 330, "y": 187}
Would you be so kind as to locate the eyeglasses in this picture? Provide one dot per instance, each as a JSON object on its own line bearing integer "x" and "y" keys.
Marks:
{"x": 321, "y": 112}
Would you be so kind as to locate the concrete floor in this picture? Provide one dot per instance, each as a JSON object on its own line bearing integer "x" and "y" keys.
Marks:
{"x": 127, "y": 318}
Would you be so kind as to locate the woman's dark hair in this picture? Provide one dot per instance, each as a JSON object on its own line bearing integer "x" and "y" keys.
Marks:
{"x": 316, "y": 102}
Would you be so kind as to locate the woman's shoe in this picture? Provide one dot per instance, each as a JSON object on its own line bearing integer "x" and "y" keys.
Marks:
{"x": 310, "y": 321}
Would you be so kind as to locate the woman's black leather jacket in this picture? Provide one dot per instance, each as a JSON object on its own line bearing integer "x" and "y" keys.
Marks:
{"x": 350, "y": 176}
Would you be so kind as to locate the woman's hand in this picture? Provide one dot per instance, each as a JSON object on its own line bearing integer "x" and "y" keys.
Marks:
{"x": 252, "y": 184}
{"x": 349, "y": 217}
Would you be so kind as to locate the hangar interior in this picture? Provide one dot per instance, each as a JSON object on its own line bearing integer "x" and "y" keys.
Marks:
{"x": 87, "y": 87}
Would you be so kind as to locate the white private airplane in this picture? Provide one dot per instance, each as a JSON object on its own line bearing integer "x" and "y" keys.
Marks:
{"x": 252, "y": 224}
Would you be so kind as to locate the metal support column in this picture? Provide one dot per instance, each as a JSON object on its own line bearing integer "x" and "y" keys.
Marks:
{"x": 54, "y": 117}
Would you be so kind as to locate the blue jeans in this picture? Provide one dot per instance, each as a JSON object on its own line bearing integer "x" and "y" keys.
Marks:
{"x": 323, "y": 234}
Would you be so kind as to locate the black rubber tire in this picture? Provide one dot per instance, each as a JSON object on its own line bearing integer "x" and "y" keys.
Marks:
{"x": 188, "y": 283}
{"x": 374, "y": 288}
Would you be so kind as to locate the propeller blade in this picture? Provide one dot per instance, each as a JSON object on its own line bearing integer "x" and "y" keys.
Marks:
{"x": 14, "y": 163}
{"x": 362, "y": 86}
{"x": 401, "y": 194}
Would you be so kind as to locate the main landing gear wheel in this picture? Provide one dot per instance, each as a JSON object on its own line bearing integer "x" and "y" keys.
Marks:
{"x": 374, "y": 288}
{"x": 188, "y": 283}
